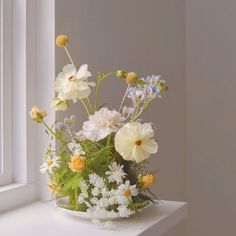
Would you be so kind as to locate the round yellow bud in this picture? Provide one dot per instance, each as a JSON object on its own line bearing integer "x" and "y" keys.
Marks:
{"x": 37, "y": 114}
{"x": 131, "y": 78}
{"x": 61, "y": 41}
{"x": 77, "y": 163}
{"x": 147, "y": 180}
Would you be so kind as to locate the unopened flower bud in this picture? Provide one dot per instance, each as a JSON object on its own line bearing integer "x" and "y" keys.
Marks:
{"x": 121, "y": 74}
{"x": 37, "y": 114}
{"x": 131, "y": 78}
{"x": 163, "y": 86}
{"x": 62, "y": 40}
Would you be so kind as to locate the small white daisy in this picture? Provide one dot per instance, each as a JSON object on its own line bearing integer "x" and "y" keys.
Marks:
{"x": 128, "y": 190}
{"x": 49, "y": 164}
{"x": 116, "y": 173}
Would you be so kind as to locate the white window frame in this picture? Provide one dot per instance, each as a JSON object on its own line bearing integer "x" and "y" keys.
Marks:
{"x": 6, "y": 93}
{"x": 33, "y": 73}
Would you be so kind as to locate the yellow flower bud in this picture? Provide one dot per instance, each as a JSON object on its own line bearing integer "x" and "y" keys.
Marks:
{"x": 37, "y": 114}
{"x": 59, "y": 105}
{"x": 77, "y": 163}
{"x": 131, "y": 78}
{"x": 147, "y": 180}
{"x": 61, "y": 41}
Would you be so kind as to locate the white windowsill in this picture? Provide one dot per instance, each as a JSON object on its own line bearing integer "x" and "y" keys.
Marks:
{"x": 15, "y": 195}
{"x": 44, "y": 219}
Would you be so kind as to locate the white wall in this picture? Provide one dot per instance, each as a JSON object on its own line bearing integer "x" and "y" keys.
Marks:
{"x": 142, "y": 36}
{"x": 211, "y": 116}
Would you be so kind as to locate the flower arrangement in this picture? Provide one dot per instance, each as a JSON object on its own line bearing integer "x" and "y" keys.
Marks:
{"x": 101, "y": 168}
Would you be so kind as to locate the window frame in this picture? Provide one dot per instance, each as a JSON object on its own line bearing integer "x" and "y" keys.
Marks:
{"x": 33, "y": 72}
{"x": 6, "y": 169}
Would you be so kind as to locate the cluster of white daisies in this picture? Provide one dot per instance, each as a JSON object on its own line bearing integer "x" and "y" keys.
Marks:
{"x": 103, "y": 198}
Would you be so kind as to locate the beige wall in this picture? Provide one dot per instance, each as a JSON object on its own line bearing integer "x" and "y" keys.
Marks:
{"x": 211, "y": 116}
{"x": 142, "y": 36}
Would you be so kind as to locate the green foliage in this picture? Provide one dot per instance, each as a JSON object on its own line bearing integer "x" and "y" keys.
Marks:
{"x": 99, "y": 155}
{"x": 73, "y": 182}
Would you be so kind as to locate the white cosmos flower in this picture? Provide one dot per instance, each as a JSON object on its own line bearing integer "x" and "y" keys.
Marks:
{"x": 49, "y": 164}
{"x": 116, "y": 173}
{"x": 134, "y": 141}
{"x": 101, "y": 124}
{"x": 73, "y": 85}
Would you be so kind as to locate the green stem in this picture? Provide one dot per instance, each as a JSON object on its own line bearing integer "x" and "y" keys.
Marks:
{"x": 136, "y": 108}
{"x": 100, "y": 79}
{"x": 85, "y": 106}
{"x": 76, "y": 199}
{"x": 55, "y": 135}
{"x": 90, "y": 106}
{"x": 145, "y": 105}
{"x": 123, "y": 100}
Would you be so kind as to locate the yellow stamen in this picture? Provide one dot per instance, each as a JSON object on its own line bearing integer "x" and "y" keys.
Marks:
{"x": 138, "y": 142}
{"x": 72, "y": 78}
{"x": 127, "y": 192}
{"x": 50, "y": 162}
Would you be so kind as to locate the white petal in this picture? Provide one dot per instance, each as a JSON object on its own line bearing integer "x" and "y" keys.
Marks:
{"x": 83, "y": 93}
{"x": 147, "y": 131}
{"x": 139, "y": 154}
{"x": 149, "y": 146}
{"x": 83, "y": 72}
{"x": 69, "y": 70}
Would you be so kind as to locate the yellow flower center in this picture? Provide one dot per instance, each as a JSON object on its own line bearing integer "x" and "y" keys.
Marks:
{"x": 77, "y": 163}
{"x": 72, "y": 78}
{"x": 127, "y": 192}
{"x": 50, "y": 162}
{"x": 138, "y": 142}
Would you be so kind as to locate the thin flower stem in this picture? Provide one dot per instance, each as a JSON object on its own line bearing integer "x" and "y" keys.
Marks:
{"x": 68, "y": 54}
{"x": 54, "y": 134}
{"x": 90, "y": 106}
{"x": 136, "y": 109}
{"x": 145, "y": 105}
{"x": 100, "y": 79}
{"x": 85, "y": 106}
{"x": 123, "y": 100}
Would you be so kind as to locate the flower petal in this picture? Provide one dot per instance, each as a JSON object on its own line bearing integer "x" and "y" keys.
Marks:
{"x": 69, "y": 70}
{"x": 83, "y": 72}
{"x": 147, "y": 131}
{"x": 149, "y": 146}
